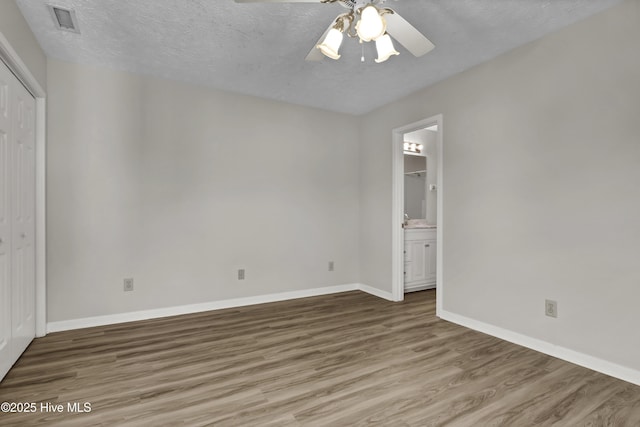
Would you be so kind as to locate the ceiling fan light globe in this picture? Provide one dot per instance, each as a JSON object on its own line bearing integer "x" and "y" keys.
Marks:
{"x": 371, "y": 24}
{"x": 385, "y": 48}
{"x": 331, "y": 44}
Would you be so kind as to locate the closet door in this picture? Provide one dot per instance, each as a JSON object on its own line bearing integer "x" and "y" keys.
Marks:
{"x": 23, "y": 222}
{"x": 6, "y": 352}
{"x": 17, "y": 222}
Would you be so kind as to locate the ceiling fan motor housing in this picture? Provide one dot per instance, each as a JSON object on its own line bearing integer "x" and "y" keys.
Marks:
{"x": 358, "y": 4}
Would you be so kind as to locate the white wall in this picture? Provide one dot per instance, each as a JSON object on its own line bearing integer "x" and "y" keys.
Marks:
{"x": 178, "y": 186}
{"x": 541, "y": 196}
{"x": 14, "y": 27}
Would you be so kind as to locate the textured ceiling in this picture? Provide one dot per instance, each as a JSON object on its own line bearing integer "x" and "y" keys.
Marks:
{"x": 259, "y": 49}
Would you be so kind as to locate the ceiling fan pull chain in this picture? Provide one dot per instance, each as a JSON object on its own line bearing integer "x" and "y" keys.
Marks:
{"x": 362, "y": 57}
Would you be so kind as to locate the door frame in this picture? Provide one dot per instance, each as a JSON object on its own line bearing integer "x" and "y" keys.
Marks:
{"x": 12, "y": 60}
{"x": 397, "y": 216}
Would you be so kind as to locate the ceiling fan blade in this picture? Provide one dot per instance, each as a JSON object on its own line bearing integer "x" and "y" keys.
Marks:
{"x": 278, "y": 1}
{"x": 407, "y": 35}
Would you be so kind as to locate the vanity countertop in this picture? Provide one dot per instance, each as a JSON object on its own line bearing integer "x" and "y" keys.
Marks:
{"x": 418, "y": 227}
{"x": 418, "y": 224}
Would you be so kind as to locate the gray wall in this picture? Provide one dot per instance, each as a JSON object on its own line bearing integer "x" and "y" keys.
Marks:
{"x": 541, "y": 196}
{"x": 14, "y": 27}
{"x": 179, "y": 186}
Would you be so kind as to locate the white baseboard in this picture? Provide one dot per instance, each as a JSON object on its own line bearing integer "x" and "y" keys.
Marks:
{"x": 590, "y": 362}
{"x": 111, "y": 319}
{"x": 417, "y": 288}
{"x": 375, "y": 291}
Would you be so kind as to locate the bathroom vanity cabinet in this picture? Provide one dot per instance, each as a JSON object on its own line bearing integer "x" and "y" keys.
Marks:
{"x": 419, "y": 259}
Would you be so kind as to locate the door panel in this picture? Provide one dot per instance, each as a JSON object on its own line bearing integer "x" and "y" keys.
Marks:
{"x": 23, "y": 226}
{"x": 6, "y": 352}
{"x": 430, "y": 261}
{"x": 418, "y": 273}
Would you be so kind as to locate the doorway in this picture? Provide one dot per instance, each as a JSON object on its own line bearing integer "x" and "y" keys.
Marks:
{"x": 398, "y": 205}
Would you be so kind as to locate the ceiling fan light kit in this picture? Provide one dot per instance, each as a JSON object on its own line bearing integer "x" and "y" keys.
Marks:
{"x": 371, "y": 24}
{"x": 367, "y": 22}
{"x": 370, "y": 27}
{"x": 385, "y": 48}
{"x": 331, "y": 44}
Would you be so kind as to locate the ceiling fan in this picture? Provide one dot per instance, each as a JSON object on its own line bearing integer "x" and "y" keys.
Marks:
{"x": 368, "y": 21}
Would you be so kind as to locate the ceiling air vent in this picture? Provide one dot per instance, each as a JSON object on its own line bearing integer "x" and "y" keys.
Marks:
{"x": 65, "y": 19}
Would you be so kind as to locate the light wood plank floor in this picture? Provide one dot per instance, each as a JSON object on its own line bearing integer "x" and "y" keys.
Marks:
{"x": 349, "y": 359}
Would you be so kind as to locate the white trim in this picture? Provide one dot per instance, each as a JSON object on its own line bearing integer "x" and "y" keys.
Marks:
{"x": 41, "y": 218}
{"x": 397, "y": 215}
{"x": 10, "y": 57}
{"x": 590, "y": 362}
{"x": 397, "y": 210}
{"x": 376, "y": 292}
{"x": 440, "y": 221}
{"x": 110, "y": 319}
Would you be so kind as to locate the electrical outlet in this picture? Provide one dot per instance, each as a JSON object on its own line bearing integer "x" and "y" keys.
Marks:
{"x": 551, "y": 308}
{"x": 128, "y": 285}
{"x": 241, "y": 274}
{"x": 330, "y": 265}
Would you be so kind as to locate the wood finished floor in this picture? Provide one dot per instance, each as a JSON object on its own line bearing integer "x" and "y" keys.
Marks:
{"x": 348, "y": 359}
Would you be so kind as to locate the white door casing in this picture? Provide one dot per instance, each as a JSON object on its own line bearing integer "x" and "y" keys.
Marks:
{"x": 397, "y": 211}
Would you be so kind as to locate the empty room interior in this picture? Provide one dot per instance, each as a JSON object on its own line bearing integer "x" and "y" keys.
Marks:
{"x": 340, "y": 213}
